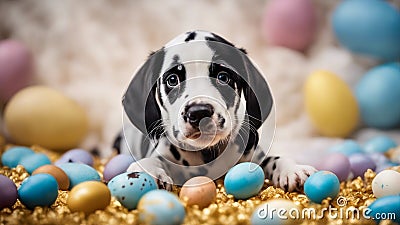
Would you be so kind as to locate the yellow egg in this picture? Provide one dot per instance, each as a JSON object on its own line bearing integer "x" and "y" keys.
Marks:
{"x": 41, "y": 115}
{"x": 330, "y": 104}
{"x": 88, "y": 197}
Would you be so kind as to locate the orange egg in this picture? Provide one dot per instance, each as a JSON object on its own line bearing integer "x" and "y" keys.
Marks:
{"x": 199, "y": 191}
{"x": 56, "y": 172}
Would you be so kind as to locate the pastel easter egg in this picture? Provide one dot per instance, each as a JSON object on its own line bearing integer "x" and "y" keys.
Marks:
{"x": 129, "y": 187}
{"x": 38, "y": 190}
{"x": 41, "y": 115}
{"x": 386, "y": 183}
{"x": 368, "y": 27}
{"x": 76, "y": 156}
{"x": 160, "y": 207}
{"x": 8, "y": 192}
{"x": 289, "y": 23}
{"x": 117, "y": 165}
{"x": 34, "y": 161}
{"x": 347, "y": 148}
{"x": 360, "y": 163}
{"x": 388, "y": 205}
{"x": 199, "y": 191}
{"x": 385, "y": 166}
{"x": 276, "y": 211}
{"x": 12, "y": 156}
{"x": 88, "y": 197}
{"x": 15, "y": 68}
{"x": 330, "y": 104}
{"x": 379, "y": 144}
{"x": 244, "y": 180}
{"x": 336, "y": 163}
{"x": 321, "y": 185}
{"x": 378, "y": 94}
{"x": 56, "y": 172}
{"x": 78, "y": 173}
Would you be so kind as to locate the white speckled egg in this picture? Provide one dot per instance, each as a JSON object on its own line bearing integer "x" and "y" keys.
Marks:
{"x": 386, "y": 183}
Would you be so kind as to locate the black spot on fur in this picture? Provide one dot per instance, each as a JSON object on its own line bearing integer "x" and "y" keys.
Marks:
{"x": 191, "y": 36}
{"x": 265, "y": 162}
{"x": 174, "y": 152}
{"x": 274, "y": 166}
{"x": 185, "y": 163}
{"x": 210, "y": 154}
{"x": 117, "y": 143}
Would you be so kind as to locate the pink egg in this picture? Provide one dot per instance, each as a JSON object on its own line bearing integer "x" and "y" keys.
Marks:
{"x": 15, "y": 68}
{"x": 336, "y": 163}
{"x": 289, "y": 23}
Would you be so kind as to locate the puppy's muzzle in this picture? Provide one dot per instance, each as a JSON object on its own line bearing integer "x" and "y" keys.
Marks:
{"x": 196, "y": 112}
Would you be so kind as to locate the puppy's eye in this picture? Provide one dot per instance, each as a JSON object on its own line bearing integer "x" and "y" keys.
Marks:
{"x": 223, "y": 78}
{"x": 172, "y": 80}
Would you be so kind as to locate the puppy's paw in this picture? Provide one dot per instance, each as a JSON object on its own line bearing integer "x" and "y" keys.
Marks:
{"x": 292, "y": 178}
{"x": 163, "y": 180}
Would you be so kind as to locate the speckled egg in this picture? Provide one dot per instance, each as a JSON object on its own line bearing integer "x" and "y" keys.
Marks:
{"x": 76, "y": 156}
{"x": 13, "y": 156}
{"x": 160, "y": 207}
{"x": 378, "y": 94}
{"x": 129, "y": 187}
{"x": 8, "y": 192}
{"x": 88, "y": 197}
{"x": 337, "y": 163}
{"x": 38, "y": 190}
{"x": 56, "y": 172}
{"x": 360, "y": 163}
{"x": 41, "y": 115}
{"x": 321, "y": 185}
{"x": 244, "y": 180}
{"x": 34, "y": 161}
{"x": 15, "y": 68}
{"x": 269, "y": 213}
{"x": 379, "y": 144}
{"x": 330, "y": 104}
{"x": 78, "y": 173}
{"x": 199, "y": 191}
{"x": 384, "y": 206}
{"x": 386, "y": 183}
{"x": 117, "y": 165}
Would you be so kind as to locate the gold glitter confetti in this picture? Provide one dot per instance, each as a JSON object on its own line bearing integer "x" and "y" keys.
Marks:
{"x": 356, "y": 194}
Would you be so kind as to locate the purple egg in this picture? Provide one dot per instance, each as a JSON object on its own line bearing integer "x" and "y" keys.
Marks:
{"x": 378, "y": 158}
{"x": 76, "y": 156}
{"x": 360, "y": 163}
{"x": 336, "y": 163}
{"x": 8, "y": 192}
{"x": 116, "y": 166}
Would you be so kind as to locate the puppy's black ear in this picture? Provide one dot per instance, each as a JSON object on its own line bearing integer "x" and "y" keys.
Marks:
{"x": 139, "y": 101}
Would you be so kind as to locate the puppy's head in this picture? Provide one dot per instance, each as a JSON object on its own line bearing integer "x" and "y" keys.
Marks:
{"x": 198, "y": 91}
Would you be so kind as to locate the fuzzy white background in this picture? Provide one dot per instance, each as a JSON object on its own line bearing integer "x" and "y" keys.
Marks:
{"x": 90, "y": 49}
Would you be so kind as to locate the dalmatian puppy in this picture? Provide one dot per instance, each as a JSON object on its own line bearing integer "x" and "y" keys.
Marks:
{"x": 198, "y": 106}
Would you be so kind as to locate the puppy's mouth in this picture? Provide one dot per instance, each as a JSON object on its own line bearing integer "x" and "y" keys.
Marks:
{"x": 197, "y": 134}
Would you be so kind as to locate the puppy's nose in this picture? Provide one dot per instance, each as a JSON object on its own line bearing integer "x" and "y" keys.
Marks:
{"x": 195, "y": 113}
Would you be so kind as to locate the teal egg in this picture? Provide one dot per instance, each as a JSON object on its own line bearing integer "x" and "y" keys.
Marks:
{"x": 347, "y": 148}
{"x": 378, "y": 94}
{"x": 379, "y": 144}
{"x": 129, "y": 187}
{"x": 368, "y": 27}
{"x": 244, "y": 180}
{"x": 13, "y": 156}
{"x": 38, "y": 190}
{"x": 34, "y": 161}
{"x": 321, "y": 185}
{"x": 385, "y": 206}
{"x": 78, "y": 173}
{"x": 160, "y": 207}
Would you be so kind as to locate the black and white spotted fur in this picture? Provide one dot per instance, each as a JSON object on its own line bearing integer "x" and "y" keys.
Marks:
{"x": 197, "y": 107}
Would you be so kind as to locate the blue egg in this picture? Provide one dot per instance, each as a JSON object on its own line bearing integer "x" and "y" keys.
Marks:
{"x": 383, "y": 206}
{"x": 378, "y": 94}
{"x": 129, "y": 187}
{"x": 347, "y": 148}
{"x": 38, "y": 190}
{"x": 34, "y": 161}
{"x": 384, "y": 166}
{"x": 13, "y": 156}
{"x": 379, "y": 144}
{"x": 78, "y": 173}
{"x": 368, "y": 27}
{"x": 321, "y": 185}
{"x": 76, "y": 156}
{"x": 160, "y": 207}
{"x": 244, "y": 180}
